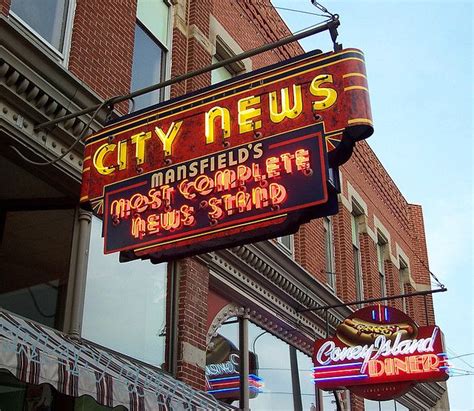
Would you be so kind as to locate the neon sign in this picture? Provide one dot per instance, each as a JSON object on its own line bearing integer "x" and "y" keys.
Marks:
{"x": 211, "y": 148}
{"x": 161, "y": 212}
{"x": 377, "y": 346}
{"x": 223, "y": 371}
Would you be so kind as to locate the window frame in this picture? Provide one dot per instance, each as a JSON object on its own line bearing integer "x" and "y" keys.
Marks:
{"x": 163, "y": 62}
{"x": 61, "y": 55}
{"x": 359, "y": 279}
{"x": 288, "y": 250}
{"x": 381, "y": 245}
{"x": 403, "y": 267}
{"x": 330, "y": 265}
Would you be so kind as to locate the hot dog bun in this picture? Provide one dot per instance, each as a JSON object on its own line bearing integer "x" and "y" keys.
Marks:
{"x": 354, "y": 331}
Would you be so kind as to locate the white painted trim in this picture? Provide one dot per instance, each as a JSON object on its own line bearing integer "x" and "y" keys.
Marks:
{"x": 355, "y": 197}
{"x": 61, "y": 56}
{"x": 216, "y": 29}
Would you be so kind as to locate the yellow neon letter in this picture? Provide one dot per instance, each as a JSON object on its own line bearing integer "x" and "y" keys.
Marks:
{"x": 225, "y": 122}
{"x": 247, "y": 113}
{"x": 99, "y": 157}
{"x": 329, "y": 94}
{"x": 139, "y": 141}
{"x": 122, "y": 155}
{"x": 286, "y": 111}
{"x": 167, "y": 139}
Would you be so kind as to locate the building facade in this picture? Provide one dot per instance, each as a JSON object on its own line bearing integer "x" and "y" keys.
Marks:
{"x": 160, "y": 326}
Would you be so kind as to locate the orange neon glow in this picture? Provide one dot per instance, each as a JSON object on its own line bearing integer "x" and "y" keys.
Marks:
{"x": 165, "y": 218}
{"x": 273, "y": 167}
{"x": 138, "y": 203}
{"x": 302, "y": 159}
{"x": 409, "y": 365}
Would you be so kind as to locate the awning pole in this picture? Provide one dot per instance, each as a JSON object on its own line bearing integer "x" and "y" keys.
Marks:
{"x": 329, "y": 25}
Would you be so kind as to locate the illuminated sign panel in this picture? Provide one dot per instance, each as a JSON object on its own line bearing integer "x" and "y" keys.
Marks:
{"x": 149, "y": 175}
{"x": 223, "y": 371}
{"x": 206, "y": 198}
{"x": 379, "y": 353}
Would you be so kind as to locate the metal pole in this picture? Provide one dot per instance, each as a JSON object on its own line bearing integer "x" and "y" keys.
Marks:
{"x": 85, "y": 219}
{"x": 334, "y": 23}
{"x": 244, "y": 363}
{"x": 338, "y": 403}
{"x": 373, "y": 300}
{"x": 295, "y": 380}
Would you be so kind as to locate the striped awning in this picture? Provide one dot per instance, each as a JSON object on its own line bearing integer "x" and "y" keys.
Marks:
{"x": 36, "y": 354}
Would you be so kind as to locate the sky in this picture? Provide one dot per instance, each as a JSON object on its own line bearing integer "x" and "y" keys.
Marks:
{"x": 419, "y": 58}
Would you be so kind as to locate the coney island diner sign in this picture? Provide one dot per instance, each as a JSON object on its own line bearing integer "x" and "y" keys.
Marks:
{"x": 379, "y": 353}
{"x": 241, "y": 161}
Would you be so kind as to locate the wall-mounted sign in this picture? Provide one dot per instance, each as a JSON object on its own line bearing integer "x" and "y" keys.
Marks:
{"x": 241, "y": 161}
{"x": 379, "y": 353}
{"x": 223, "y": 371}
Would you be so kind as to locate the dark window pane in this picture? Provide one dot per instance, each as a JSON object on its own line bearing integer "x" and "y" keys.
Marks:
{"x": 46, "y": 17}
{"x": 147, "y": 67}
{"x": 34, "y": 263}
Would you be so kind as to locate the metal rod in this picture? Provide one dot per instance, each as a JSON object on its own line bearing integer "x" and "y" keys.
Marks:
{"x": 295, "y": 380}
{"x": 338, "y": 403}
{"x": 118, "y": 99}
{"x": 244, "y": 363}
{"x": 373, "y": 300}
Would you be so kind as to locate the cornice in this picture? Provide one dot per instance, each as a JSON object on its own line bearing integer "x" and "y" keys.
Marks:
{"x": 35, "y": 88}
{"x": 423, "y": 396}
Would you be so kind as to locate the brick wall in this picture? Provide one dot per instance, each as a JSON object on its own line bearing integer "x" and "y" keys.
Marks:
{"x": 393, "y": 284}
{"x": 403, "y": 221}
{"x": 101, "y": 49}
{"x": 344, "y": 256}
{"x": 4, "y": 7}
{"x": 370, "y": 272}
{"x": 310, "y": 248}
{"x": 420, "y": 265}
{"x": 253, "y": 24}
{"x": 192, "y": 322}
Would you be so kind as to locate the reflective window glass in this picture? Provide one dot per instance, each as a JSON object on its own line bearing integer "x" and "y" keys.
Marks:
{"x": 147, "y": 67}
{"x": 154, "y": 15}
{"x": 220, "y": 74}
{"x": 46, "y": 17}
{"x": 274, "y": 368}
{"x": 125, "y": 303}
{"x": 308, "y": 390}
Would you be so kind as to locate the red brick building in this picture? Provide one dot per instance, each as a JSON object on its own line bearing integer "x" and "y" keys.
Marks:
{"x": 151, "y": 327}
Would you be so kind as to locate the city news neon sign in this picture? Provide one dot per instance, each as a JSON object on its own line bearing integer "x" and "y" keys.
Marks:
{"x": 379, "y": 353}
{"x": 241, "y": 161}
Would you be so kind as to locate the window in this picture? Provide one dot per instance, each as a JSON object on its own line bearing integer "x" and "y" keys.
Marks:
{"x": 125, "y": 303}
{"x": 381, "y": 246}
{"x": 329, "y": 248}
{"x": 269, "y": 361}
{"x": 50, "y": 20}
{"x": 220, "y": 74}
{"x": 36, "y": 232}
{"x": 150, "y": 50}
{"x": 224, "y": 52}
{"x": 403, "y": 275}
{"x": 286, "y": 244}
{"x": 356, "y": 251}
{"x": 390, "y": 405}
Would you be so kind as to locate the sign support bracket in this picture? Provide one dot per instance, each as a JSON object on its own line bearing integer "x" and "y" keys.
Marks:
{"x": 330, "y": 25}
{"x": 373, "y": 300}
